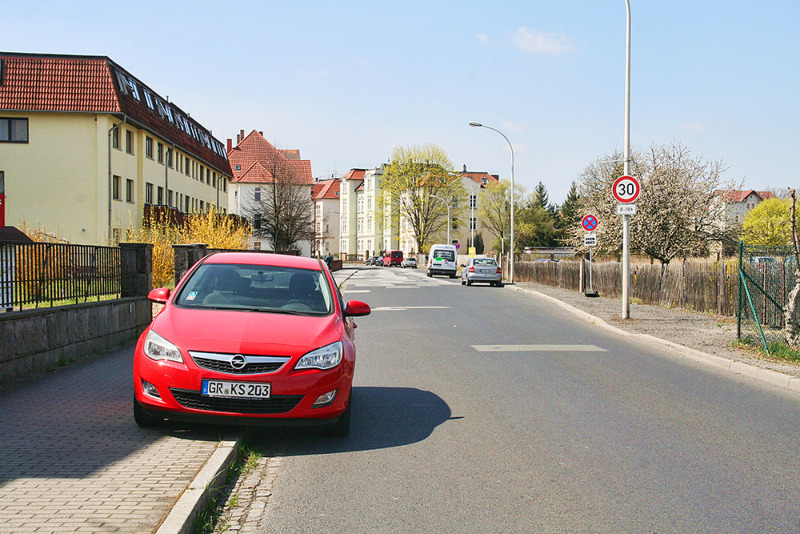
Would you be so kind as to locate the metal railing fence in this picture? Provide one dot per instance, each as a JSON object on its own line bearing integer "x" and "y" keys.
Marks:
{"x": 51, "y": 274}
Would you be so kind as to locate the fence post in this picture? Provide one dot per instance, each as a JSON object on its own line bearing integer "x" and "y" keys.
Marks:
{"x": 186, "y": 256}
{"x": 136, "y": 261}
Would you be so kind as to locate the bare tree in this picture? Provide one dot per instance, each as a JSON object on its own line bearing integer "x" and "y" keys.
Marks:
{"x": 792, "y": 326}
{"x": 678, "y": 215}
{"x": 284, "y": 212}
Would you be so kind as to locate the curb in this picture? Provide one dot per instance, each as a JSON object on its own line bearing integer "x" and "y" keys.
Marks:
{"x": 745, "y": 369}
{"x": 212, "y": 477}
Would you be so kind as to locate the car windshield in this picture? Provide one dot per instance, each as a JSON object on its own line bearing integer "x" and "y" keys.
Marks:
{"x": 258, "y": 288}
{"x": 484, "y": 261}
{"x": 444, "y": 255}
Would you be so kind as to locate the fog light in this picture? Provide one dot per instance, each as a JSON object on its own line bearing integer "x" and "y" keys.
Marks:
{"x": 150, "y": 389}
{"x": 325, "y": 399}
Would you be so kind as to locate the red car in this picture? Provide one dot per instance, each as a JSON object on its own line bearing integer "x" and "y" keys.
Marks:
{"x": 249, "y": 338}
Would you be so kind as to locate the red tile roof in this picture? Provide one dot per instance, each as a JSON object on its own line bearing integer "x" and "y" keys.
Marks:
{"x": 95, "y": 84}
{"x": 257, "y": 158}
{"x": 326, "y": 189}
{"x": 355, "y": 174}
{"x": 484, "y": 179}
{"x": 731, "y": 195}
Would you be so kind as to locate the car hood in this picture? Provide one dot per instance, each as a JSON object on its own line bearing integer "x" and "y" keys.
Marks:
{"x": 246, "y": 332}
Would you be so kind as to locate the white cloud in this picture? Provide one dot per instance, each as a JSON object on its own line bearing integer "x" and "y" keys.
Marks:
{"x": 483, "y": 39}
{"x": 695, "y": 127}
{"x": 550, "y": 44}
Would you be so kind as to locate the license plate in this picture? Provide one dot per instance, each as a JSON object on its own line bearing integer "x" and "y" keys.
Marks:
{"x": 236, "y": 390}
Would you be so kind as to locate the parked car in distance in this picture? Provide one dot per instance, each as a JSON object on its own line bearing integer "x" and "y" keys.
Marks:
{"x": 482, "y": 270}
{"x": 393, "y": 257}
{"x": 249, "y": 338}
{"x": 409, "y": 262}
{"x": 372, "y": 260}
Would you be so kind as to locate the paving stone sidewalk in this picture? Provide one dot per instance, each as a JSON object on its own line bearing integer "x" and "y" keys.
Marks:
{"x": 73, "y": 460}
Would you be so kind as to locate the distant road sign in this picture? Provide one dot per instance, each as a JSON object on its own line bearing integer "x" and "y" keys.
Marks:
{"x": 626, "y": 189}
{"x": 589, "y": 223}
{"x": 626, "y": 209}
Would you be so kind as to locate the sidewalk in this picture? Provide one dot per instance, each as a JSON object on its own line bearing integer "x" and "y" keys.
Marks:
{"x": 74, "y": 460}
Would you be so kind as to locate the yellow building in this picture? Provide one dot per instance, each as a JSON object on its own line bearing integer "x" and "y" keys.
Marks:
{"x": 86, "y": 149}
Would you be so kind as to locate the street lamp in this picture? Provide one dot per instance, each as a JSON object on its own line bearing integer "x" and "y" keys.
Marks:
{"x": 448, "y": 216}
{"x": 511, "y": 267}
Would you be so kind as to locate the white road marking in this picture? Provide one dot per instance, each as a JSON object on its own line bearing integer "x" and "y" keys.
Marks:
{"x": 538, "y": 348}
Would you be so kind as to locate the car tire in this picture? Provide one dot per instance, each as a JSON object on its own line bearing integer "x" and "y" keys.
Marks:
{"x": 452, "y": 276}
{"x": 142, "y": 418}
{"x": 463, "y": 282}
{"x": 341, "y": 427}
{"x": 469, "y": 283}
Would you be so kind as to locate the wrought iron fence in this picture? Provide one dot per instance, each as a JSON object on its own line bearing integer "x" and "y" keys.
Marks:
{"x": 51, "y": 274}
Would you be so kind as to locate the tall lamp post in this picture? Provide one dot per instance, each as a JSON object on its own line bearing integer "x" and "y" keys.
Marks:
{"x": 511, "y": 267}
{"x": 626, "y": 219}
{"x": 448, "y": 216}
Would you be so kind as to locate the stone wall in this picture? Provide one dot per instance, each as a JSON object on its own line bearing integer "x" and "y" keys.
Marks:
{"x": 34, "y": 341}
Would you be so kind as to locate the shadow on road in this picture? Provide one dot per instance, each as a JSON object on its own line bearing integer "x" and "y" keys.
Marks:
{"x": 383, "y": 417}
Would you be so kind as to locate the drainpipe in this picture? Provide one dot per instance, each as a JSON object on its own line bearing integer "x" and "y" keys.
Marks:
{"x": 170, "y": 154}
{"x": 110, "y": 177}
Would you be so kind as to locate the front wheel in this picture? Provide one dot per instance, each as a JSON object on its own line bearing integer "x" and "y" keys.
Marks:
{"x": 341, "y": 427}
{"x": 142, "y": 418}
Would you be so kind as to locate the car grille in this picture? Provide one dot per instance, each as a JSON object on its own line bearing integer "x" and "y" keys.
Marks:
{"x": 237, "y": 364}
{"x": 274, "y": 405}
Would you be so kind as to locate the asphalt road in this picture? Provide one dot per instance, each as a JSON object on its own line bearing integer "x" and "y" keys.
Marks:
{"x": 479, "y": 409}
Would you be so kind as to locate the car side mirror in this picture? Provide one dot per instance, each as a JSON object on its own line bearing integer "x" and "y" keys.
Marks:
{"x": 356, "y": 308}
{"x": 160, "y": 295}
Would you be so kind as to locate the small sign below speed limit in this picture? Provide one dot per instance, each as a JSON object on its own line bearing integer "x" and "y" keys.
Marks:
{"x": 626, "y": 189}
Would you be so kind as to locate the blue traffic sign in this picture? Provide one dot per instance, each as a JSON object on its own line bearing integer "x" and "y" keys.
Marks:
{"x": 589, "y": 223}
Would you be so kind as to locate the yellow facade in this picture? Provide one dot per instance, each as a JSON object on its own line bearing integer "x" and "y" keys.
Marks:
{"x": 60, "y": 181}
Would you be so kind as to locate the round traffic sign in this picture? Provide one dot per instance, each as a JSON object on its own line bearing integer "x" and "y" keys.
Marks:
{"x": 589, "y": 223}
{"x": 626, "y": 189}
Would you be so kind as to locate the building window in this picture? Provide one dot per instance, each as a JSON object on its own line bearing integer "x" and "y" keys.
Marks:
{"x": 473, "y": 223}
{"x": 258, "y": 194}
{"x": 148, "y": 193}
{"x": 13, "y": 130}
{"x": 237, "y": 167}
{"x": 115, "y": 183}
{"x": 169, "y": 197}
{"x": 160, "y": 152}
{"x": 257, "y": 221}
{"x": 473, "y": 201}
{"x": 160, "y": 196}
{"x": 257, "y": 245}
{"x": 148, "y": 147}
{"x": 115, "y": 137}
{"x": 169, "y": 158}
{"x": 128, "y": 190}
{"x": 128, "y": 142}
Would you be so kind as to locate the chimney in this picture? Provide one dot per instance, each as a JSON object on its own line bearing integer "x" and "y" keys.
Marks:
{"x": 240, "y": 137}
{"x": 261, "y": 134}
{"x": 230, "y": 145}
{"x": 465, "y": 167}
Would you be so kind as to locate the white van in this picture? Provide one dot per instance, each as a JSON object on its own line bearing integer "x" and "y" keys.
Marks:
{"x": 442, "y": 259}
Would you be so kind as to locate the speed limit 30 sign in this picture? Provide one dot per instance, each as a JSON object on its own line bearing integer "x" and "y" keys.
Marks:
{"x": 626, "y": 189}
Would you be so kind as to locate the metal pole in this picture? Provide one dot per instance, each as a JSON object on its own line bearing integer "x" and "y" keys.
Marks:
{"x": 626, "y": 219}
{"x": 511, "y": 266}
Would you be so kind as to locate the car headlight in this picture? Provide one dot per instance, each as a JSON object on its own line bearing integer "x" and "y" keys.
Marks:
{"x": 326, "y": 357}
{"x": 158, "y": 348}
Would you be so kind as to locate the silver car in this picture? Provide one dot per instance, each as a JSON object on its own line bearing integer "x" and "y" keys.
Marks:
{"x": 482, "y": 270}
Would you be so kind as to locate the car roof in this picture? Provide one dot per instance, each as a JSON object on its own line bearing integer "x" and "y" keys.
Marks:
{"x": 262, "y": 258}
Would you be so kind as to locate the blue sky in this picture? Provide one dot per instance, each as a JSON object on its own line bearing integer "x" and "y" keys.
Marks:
{"x": 346, "y": 82}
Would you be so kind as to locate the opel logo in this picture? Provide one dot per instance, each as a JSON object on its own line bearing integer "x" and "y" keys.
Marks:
{"x": 238, "y": 361}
